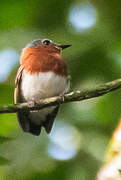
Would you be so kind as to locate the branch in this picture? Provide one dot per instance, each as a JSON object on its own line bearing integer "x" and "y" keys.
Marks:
{"x": 70, "y": 97}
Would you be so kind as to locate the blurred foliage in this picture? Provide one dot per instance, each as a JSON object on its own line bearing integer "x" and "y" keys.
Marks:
{"x": 95, "y": 57}
{"x": 112, "y": 164}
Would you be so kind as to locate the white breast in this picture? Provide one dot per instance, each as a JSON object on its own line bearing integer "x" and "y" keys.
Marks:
{"x": 43, "y": 85}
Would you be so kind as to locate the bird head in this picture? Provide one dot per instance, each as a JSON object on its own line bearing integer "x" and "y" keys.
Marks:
{"x": 43, "y": 55}
{"x": 47, "y": 45}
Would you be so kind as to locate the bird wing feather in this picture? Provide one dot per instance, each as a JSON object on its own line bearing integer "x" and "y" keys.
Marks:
{"x": 17, "y": 95}
{"x": 21, "y": 115}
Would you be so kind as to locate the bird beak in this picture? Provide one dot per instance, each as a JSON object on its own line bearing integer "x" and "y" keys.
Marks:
{"x": 63, "y": 46}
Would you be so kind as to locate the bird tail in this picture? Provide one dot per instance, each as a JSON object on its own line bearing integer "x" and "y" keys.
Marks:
{"x": 26, "y": 124}
{"x": 50, "y": 120}
{"x": 30, "y": 127}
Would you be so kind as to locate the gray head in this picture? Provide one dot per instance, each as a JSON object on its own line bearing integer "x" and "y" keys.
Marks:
{"x": 39, "y": 42}
{"x": 45, "y": 42}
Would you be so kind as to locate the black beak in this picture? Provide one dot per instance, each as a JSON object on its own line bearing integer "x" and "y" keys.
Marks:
{"x": 63, "y": 46}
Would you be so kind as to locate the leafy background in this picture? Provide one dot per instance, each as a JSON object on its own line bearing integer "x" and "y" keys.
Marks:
{"x": 75, "y": 149}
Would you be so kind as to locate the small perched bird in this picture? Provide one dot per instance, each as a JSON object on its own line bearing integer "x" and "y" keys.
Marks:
{"x": 42, "y": 74}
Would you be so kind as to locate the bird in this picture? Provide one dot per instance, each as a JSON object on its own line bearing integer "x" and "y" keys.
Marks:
{"x": 42, "y": 74}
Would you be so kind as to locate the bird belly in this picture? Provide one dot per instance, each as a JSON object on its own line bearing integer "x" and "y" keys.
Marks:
{"x": 39, "y": 86}
{"x": 42, "y": 85}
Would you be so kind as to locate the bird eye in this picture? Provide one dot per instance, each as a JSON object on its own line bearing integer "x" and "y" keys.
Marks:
{"x": 46, "y": 42}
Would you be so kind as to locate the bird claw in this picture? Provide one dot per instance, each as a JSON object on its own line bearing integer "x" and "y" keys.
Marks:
{"x": 62, "y": 96}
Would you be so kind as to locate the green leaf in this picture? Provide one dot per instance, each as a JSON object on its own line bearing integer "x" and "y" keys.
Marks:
{"x": 4, "y": 161}
{"x": 4, "y": 139}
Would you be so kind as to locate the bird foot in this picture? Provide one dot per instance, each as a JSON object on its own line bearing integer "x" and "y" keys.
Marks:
{"x": 63, "y": 97}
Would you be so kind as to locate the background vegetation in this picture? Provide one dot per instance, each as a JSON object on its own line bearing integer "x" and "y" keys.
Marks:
{"x": 75, "y": 149}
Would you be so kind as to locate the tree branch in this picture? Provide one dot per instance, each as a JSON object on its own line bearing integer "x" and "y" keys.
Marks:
{"x": 70, "y": 97}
